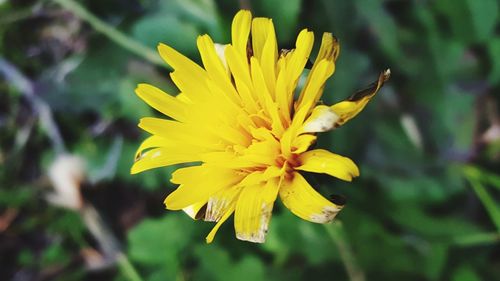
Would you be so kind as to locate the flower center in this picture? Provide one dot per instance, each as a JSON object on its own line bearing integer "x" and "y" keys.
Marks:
{"x": 289, "y": 164}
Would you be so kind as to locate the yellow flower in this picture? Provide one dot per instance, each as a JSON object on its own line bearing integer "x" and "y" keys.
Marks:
{"x": 247, "y": 139}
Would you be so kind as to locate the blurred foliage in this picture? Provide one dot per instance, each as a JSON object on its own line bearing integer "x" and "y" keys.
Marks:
{"x": 426, "y": 206}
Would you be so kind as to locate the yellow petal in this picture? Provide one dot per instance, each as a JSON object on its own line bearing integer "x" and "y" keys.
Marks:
{"x": 195, "y": 89}
{"x": 220, "y": 50}
{"x": 197, "y": 210}
{"x": 259, "y": 35}
{"x": 284, "y": 95}
{"x": 305, "y": 202}
{"x": 162, "y": 127}
{"x": 240, "y": 30}
{"x": 180, "y": 62}
{"x": 162, "y": 101}
{"x": 227, "y": 159}
{"x": 323, "y": 161}
{"x": 262, "y": 152}
{"x": 258, "y": 177}
{"x": 160, "y": 157}
{"x": 289, "y": 74}
{"x": 151, "y": 142}
{"x": 197, "y": 184}
{"x": 253, "y": 211}
{"x": 215, "y": 67}
{"x": 263, "y": 134}
{"x": 300, "y": 56}
{"x": 212, "y": 62}
{"x": 302, "y": 143}
{"x": 329, "y": 49}
{"x": 269, "y": 59}
{"x": 184, "y": 98}
{"x": 349, "y": 108}
{"x": 220, "y": 202}
{"x": 314, "y": 87}
{"x": 322, "y": 119}
{"x": 265, "y": 97}
{"x": 286, "y": 141}
{"x": 184, "y": 135}
{"x": 241, "y": 75}
{"x": 264, "y": 44}
{"x": 210, "y": 237}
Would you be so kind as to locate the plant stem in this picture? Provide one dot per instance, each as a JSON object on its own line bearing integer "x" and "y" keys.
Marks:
{"x": 127, "y": 269}
{"x": 474, "y": 172}
{"x": 488, "y": 202}
{"x": 337, "y": 235}
{"x": 111, "y": 32}
{"x": 477, "y": 239}
{"x": 42, "y": 109}
{"x": 108, "y": 243}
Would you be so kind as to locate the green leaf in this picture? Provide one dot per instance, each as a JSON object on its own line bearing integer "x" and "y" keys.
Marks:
{"x": 158, "y": 242}
{"x": 93, "y": 85}
{"x": 26, "y": 258}
{"x": 455, "y": 112}
{"x": 436, "y": 260}
{"x": 484, "y": 17}
{"x": 369, "y": 238}
{"x": 130, "y": 105}
{"x": 382, "y": 25}
{"x": 216, "y": 264}
{"x": 55, "y": 254}
{"x": 494, "y": 58}
{"x": 464, "y": 273}
{"x": 487, "y": 200}
{"x": 16, "y": 197}
{"x": 417, "y": 188}
{"x": 471, "y": 21}
{"x": 202, "y": 13}
{"x": 413, "y": 217}
{"x": 290, "y": 235}
{"x": 481, "y": 238}
{"x": 168, "y": 29}
{"x": 68, "y": 224}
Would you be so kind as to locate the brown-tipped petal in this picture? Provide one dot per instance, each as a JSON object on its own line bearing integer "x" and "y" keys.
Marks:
{"x": 349, "y": 108}
{"x": 305, "y": 202}
{"x": 220, "y": 202}
{"x": 337, "y": 199}
{"x": 198, "y": 183}
{"x": 325, "y": 118}
{"x": 210, "y": 237}
{"x": 322, "y": 119}
{"x": 254, "y": 209}
{"x": 197, "y": 210}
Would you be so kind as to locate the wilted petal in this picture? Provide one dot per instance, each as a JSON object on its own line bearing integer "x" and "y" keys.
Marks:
{"x": 302, "y": 200}
{"x": 253, "y": 211}
{"x": 325, "y": 118}
{"x": 349, "y": 108}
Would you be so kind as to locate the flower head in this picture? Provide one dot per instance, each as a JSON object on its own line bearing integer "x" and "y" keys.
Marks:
{"x": 237, "y": 121}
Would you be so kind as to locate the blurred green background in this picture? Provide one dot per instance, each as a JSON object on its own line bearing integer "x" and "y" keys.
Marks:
{"x": 426, "y": 206}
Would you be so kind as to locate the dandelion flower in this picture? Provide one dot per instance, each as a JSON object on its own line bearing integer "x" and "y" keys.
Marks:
{"x": 247, "y": 138}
